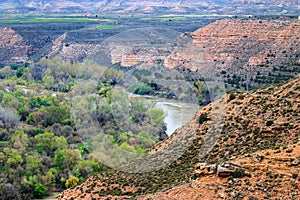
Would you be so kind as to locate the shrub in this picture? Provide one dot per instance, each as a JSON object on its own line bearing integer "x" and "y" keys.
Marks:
{"x": 39, "y": 190}
{"x": 294, "y": 176}
{"x": 142, "y": 89}
{"x": 269, "y": 123}
{"x": 231, "y": 96}
{"x": 202, "y": 118}
{"x": 238, "y": 174}
{"x": 72, "y": 182}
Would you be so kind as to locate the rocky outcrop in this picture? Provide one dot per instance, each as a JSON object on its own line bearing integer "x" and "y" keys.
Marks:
{"x": 295, "y": 162}
{"x": 131, "y": 56}
{"x": 9, "y": 38}
{"x": 221, "y": 170}
{"x": 269, "y": 178}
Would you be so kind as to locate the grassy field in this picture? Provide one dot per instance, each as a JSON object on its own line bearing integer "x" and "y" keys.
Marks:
{"x": 5, "y": 7}
{"x": 53, "y": 19}
{"x": 165, "y": 19}
{"x": 104, "y": 27}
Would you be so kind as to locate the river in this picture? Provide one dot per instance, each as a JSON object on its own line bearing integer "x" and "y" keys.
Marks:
{"x": 178, "y": 113}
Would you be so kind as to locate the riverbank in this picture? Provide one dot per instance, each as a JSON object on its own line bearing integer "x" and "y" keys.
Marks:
{"x": 178, "y": 113}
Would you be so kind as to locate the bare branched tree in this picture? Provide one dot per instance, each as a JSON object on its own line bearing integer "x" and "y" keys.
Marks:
{"x": 8, "y": 117}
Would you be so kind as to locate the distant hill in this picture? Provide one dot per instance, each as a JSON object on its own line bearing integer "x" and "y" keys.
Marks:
{"x": 153, "y": 6}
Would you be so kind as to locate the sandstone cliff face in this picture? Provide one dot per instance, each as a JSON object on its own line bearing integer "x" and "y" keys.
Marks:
{"x": 12, "y": 46}
{"x": 237, "y": 43}
{"x": 131, "y": 56}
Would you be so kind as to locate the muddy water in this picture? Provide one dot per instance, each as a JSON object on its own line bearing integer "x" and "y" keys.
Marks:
{"x": 178, "y": 113}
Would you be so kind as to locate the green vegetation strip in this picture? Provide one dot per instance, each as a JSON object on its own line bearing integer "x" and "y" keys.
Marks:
{"x": 35, "y": 20}
{"x": 4, "y": 143}
{"x": 103, "y": 27}
{"x": 165, "y": 19}
{"x": 5, "y": 7}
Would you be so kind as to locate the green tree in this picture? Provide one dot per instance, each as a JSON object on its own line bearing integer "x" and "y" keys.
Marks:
{"x": 127, "y": 147}
{"x": 59, "y": 142}
{"x": 49, "y": 179}
{"x": 8, "y": 117}
{"x": 72, "y": 182}
{"x": 198, "y": 87}
{"x": 10, "y": 101}
{"x": 15, "y": 158}
{"x": 33, "y": 162}
{"x": 56, "y": 114}
{"x": 142, "y": 89}
{"x": 157, "y": 116}
{"x": 200, "y": 98}
{"x": 85, "y": 168}
{"x": 48, "y": 81}
{"x": 59, "y": 159}
{"x": 6, "y": 72}
{"x": 123, "y": 137}
{"x": 145, "y": 140}
{"x": 28, "y": 185}
{"x": 49, "y": 142}
{"x": 231, "y": 96}
{"x": 39, "y": 190}
{"x": 44, "y": 142}
{"x": 2, "y": 159}
{"x": 20, "y": 140}
{"x": 71, "y": 157}
{"x": 202, "y": 118}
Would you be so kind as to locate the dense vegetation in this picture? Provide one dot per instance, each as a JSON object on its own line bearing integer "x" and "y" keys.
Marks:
{"x": 43, "y": 111}
{"x": 179, "y": 84}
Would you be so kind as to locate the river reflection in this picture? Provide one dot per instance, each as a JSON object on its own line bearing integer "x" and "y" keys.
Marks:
{"x": 178, "y": 113}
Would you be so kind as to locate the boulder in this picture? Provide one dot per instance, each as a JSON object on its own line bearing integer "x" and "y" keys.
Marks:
{"x": 295, "y": 162}
{"x": 222, "y": 170}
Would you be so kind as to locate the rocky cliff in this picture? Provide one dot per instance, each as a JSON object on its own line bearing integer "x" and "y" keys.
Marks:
{"x": 241, "y": 44}
{"x": 248, "y": 53}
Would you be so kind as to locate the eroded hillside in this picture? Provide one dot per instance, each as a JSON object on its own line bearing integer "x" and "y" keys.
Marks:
{"x": 13, "y": 48}
{"x": 247, "y": 53}
{"x": 271, "y": 174}
{"x": 256, "y": 52}
{"x": 260, "y": 133}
